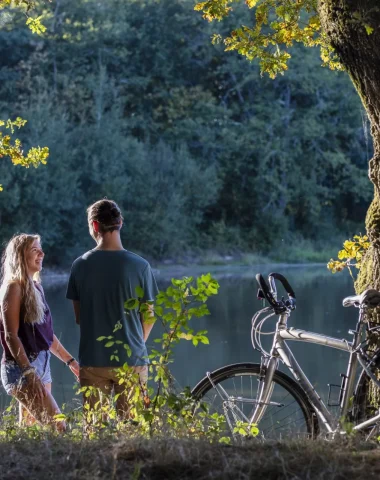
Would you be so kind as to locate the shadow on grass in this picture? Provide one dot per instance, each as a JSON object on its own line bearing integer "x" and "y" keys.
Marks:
{"x": 123, "y": 458}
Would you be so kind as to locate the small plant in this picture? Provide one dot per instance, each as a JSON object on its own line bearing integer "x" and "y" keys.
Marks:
{"x": 351, "y": 255}
{"x": 158, "y": 409}
{"x": 246, "y": 429}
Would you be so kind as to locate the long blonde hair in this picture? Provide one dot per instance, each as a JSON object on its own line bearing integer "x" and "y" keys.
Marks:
{"x": 14, "y": 269}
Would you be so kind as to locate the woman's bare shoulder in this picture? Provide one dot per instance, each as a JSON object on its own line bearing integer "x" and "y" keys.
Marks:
{"x": 13, "y": 289}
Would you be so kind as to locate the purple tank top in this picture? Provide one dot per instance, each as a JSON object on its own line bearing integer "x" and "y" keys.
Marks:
{"x": 35, "y": 338}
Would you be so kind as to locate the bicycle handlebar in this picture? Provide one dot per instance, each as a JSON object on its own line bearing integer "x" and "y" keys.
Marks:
{"x": 265, "y": 289}
{"x": 281, "y": 305}
{"x": 284, "y": 282}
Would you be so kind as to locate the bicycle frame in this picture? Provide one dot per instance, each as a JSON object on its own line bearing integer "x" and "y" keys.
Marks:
{"x": 280, "y": 350}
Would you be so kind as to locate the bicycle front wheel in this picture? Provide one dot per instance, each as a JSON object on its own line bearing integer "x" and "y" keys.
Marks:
{"x": 232, "y": 391}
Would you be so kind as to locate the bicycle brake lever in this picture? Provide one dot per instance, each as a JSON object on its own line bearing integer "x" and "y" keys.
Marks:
{"x": 260, "y": 294}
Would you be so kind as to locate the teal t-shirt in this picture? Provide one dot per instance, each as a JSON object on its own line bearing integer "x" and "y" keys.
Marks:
{"x": 102, "y": 280}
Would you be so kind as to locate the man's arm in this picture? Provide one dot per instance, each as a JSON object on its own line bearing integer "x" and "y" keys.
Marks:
{"x": 147, "y": 321}
{"x": 76, "y": 305}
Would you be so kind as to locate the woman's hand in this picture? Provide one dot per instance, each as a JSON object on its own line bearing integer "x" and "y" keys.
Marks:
{"x": 35, "y": 386}
{"x": 74, "y": 367}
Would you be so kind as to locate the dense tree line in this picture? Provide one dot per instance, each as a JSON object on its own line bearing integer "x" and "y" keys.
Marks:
{"x": 201, "y": 153}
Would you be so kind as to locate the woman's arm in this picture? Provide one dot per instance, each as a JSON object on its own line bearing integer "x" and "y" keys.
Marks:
{"x": 10, "y": 309}
{"x": 60, "y": 352}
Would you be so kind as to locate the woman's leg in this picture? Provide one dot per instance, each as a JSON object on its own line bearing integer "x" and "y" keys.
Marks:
{"x": 40, "y": 409}
{"x": 25, "y": 418}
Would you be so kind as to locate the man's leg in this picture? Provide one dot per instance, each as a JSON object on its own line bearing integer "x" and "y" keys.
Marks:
{"x": 126, "y": 392}
{"x": 99, "y": 385}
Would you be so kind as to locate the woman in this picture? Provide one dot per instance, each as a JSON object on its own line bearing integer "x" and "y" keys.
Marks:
{"x": 26, "y": 332}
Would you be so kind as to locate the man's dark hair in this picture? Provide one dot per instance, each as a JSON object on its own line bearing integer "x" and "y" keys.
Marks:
{"x": 107, "y": 213}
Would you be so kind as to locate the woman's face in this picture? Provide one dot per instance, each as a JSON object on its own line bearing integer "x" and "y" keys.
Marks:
{"x": 34, "y": 258}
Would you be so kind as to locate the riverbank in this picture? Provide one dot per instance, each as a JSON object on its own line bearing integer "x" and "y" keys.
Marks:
{"x": 297, "y": 254}
{"x": 173, "y": 459}
{"x": 224, "y": 266}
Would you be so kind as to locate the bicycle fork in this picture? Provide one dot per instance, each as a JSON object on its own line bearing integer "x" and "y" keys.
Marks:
{"x": 266, "y": 385}
{"x": 268, "y": 367}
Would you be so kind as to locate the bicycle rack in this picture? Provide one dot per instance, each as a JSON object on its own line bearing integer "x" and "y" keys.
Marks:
{"x": 341, "y": 388}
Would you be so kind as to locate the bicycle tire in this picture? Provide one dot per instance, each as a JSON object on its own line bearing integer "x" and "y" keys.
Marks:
{"x": 305, "y": 413}
{"x": 362, "y": 409}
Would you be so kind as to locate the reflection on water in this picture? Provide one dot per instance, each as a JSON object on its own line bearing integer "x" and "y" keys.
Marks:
{"x": 319, "y": 309}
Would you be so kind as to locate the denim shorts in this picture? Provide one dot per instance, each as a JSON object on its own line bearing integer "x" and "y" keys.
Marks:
{"x": 11, "y": 373}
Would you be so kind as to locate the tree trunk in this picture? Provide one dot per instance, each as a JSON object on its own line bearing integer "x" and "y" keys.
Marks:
{"x": 346, "y": 24}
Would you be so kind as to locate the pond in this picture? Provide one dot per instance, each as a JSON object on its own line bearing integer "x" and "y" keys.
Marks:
{"x": 319, "y": 309}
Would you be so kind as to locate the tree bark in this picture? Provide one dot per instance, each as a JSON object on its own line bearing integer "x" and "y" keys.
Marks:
{"x": 345, "y": 22}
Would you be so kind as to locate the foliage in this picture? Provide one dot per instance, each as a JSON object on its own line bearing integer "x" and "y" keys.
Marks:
{"x": 200, "y": 152}
{"x": 161, "y": 409}
{"x": 246, "y": 429}
{"x": 35, "y": 155}
{"x": 158, "y": 410}
{"x": 13, "y": 150}
{"x": 278, "y": 26}
{"x": 351, "y": 255}
{"x": 34, "y": 23}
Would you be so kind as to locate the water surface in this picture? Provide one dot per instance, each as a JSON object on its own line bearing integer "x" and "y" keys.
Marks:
{"x": 319, "y": 309}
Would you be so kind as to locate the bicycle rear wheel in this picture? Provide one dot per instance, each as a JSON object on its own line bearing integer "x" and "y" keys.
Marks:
{"x": 232, "y": 391}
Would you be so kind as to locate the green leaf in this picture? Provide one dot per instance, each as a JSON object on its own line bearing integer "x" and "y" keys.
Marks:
{"x": 60, "y": 416}
{"x": 139, "y": 292}
{"x": 99, "y": 339}
{"x": 204, "y": 340}
{"x": 131, "y": 304}
{"x": 109, "y": 344}
{"x": 35, "y": 25}
{"x": 225, "y": 440}
{"x": 128, "y": 349}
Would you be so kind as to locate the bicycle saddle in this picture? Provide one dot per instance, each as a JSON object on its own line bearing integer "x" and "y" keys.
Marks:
{"x": 370, "y": 298}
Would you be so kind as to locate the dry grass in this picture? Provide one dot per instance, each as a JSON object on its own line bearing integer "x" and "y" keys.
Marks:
{"x": 60, "y": 458}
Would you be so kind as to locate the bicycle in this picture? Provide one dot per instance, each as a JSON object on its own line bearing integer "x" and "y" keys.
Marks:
{"x": 260, "y": 395}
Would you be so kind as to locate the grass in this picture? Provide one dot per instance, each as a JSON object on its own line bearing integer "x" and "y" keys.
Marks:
{"x": 173, "y": 459}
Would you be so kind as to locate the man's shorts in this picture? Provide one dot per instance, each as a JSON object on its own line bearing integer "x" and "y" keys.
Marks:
{"x": 11, "y": 375}
{"x": 106, "y": 378}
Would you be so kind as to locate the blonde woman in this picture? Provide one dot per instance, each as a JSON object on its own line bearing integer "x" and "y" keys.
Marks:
{"x": 26, "y": 332}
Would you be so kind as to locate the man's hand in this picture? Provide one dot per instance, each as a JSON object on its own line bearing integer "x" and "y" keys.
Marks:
{"x": 147, "y": 321}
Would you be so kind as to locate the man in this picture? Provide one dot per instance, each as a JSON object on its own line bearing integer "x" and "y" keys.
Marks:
{"x": 101, "y": 280}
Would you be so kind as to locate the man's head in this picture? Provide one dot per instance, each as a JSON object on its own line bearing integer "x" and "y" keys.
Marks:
{"x": 104, "y": 216}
